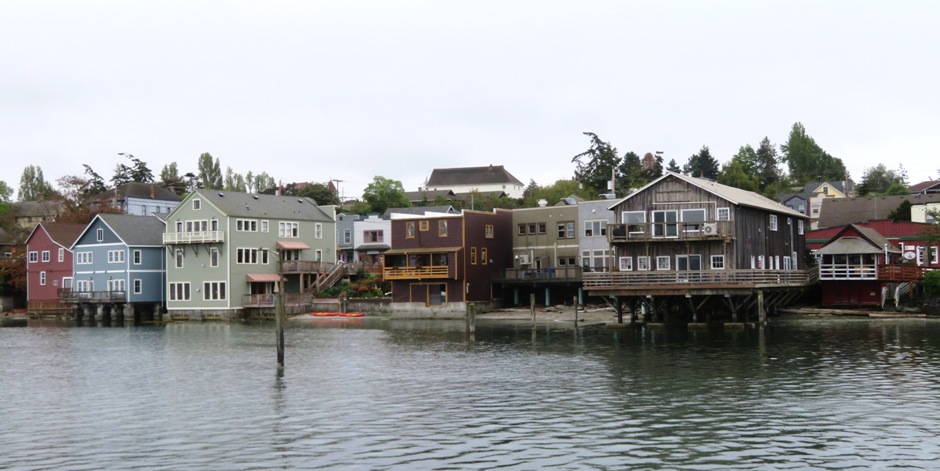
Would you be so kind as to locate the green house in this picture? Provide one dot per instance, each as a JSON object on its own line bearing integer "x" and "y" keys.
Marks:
{"x": 223, "y": 250}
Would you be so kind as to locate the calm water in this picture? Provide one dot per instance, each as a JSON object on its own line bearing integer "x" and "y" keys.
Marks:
{"x": 378, "y": 394}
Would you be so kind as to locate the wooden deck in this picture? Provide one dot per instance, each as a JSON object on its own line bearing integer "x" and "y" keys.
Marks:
{"x": 674, "y": 282}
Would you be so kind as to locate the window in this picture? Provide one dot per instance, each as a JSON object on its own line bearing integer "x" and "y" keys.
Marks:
{"x": 692, "y": 219}
{"x": 179, "y": 291}
{"x": 626, "y": 263}
{"x": 213, "y": 291}
{"x": 100, "y": 235}
{"x": 473, "y": 255}
{"x": 521, "y": 230}
{"x": 264, "y": 225}
{"x": 484, "y": 258}
{"x": 718, "y": 262}
{"x": 423, "y": 226}
{"x": 138, "y": 257}
{"x": 662, "y": 262}
{"x": 634, "y": 221}
{"x": 802, "y": 208}
{"x": 567, "y": 261}
{"x": 138, "y": 285}
{"x": 566, "y": 230}
{"x": 934, "y": 256}
{"x": 410, "y": 229}
{"x": 197, "y": 204}
{"x": 600, "y": 260}
{"x": 723, "y": 214}
{"x": 347, "y": 236}
{"x": 773, "y": 222}
{"x": 214, "y": 257}
{"x": 318, "y": 255}
{"x": 246, "y": 256}
{"x": 84, "y": 258}
{"x": 115, "y": 256}
{"x": 46, "y": 256}
{"x": 317, "y": 230}
{"x": 373, "y": 236}
{"x": 247, "y": 225}
{"x": 179, "y": 258}
{"x": 442, "y": 228}
{"x": 799, "y": 226}
{"x": 42, "y": 278}
{"x": 288, "y": 229}
{"x": 215, "y": 225}
{"x": 179, "y": 226}
{"x": 265, "y": 254}
{"x": 543, "y": 228}
{"x": 61, "y": 254}
{"x": 642, "y": 263}
{"x": 33, "y": 256}
{"x": 532, "y": 228}
{"x": 488, "y": 231}
{"x": 665, "y": 223}
{"x": 117, "y": 285}
{"x": 787, "y": 262}
{"x": 595, "y": 228}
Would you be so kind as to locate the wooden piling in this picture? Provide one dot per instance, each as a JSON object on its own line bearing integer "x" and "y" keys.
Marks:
{"x": 532, "y": 306}
{"x": 575, "y": 303}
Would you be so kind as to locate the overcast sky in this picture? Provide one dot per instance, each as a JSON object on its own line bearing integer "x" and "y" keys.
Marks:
{"x": 347, "y": 90}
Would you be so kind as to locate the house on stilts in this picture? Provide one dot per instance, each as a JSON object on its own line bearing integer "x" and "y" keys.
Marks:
{"x": 691, "y": 250}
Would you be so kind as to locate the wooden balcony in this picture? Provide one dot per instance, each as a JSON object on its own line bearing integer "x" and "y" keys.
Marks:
{"x": 75, "y": 297}
{"x": 638, "y": 281}
{"x": 842, "y": 271}
{"x": 197, "y": 237}
{"x": 544, "y": 274}
{"x": 417, "y": 273}
{"x": 669, "y": 232}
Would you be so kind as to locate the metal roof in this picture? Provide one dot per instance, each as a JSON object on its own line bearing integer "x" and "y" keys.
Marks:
{"x": 268, "y": 206}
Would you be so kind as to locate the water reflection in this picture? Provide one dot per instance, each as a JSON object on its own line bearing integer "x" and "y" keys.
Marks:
{"x": 371, "y": 393}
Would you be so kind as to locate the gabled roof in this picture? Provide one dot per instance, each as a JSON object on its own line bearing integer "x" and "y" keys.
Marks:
{"x": 63, "y": 234}
{"x": 133, "y": 231}
{"x": 734, "y": 195}
{"x": 868, "y": 240}
{"x": 841, "y": 211}
{"x": 811, "y": 187}
{"x": 234, "y": 204}
{"x": 928, "y": 186}
{"x": 493, "y": 174}
{"x": 45, "y": 208}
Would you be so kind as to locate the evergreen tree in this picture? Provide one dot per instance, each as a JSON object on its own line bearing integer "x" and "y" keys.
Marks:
{"x": 673, "y": 166}
{"x": 702, "y": 165}
{"x": 596, "y": 166}
{"x": 807, "y": 161}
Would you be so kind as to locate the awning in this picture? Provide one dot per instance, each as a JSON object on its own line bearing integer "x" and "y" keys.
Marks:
{"x": 367, "y": 247}
{"x": 422, "y": 250}
{"x": 262, "y": 277}
{"x": 292, "y": 245}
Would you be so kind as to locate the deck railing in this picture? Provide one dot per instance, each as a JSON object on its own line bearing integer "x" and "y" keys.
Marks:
{"x": 552, "y": 273}
{"x": 74, "y": 296}
{"x": 410, "y": 273}
{"x": 639, "y": 279}
{"x": 841, "y": 271}
{"x": 669, "y": 232}
{"x": 270, "y": 300}
{"x": 195, "y": 237}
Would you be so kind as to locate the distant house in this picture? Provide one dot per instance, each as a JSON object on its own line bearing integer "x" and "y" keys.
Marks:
{"x": 223, "y": 251}
{"x": 470, "y": 179}
{"x": 684, "y": 245}
{"x": 439, "y": 264}
{"x": 345, "y": 249}
{"x": 49, "y": 264}
{"x": 30, "y": 213}
{"x": 859, "y": 266}
{"x": 143, "y": 199}
{"x": 798, "y": 202}
{"x": 925, "y": 212}
{"x": 428, "y": 197}
{"x": 908, "y": 236}
{"x": 371, "y": 239}
{"x": 118, "y": 267}
{"x": 924, "y": 188}
{"x": 839, "y": 212}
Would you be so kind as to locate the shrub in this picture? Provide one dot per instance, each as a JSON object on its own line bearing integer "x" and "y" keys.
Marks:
{"x": 932, "y": 283}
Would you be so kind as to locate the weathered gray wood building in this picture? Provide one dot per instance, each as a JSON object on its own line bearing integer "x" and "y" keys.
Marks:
{"x": 684, "y": 247}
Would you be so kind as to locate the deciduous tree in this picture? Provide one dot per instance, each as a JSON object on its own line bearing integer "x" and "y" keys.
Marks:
{"x": 33, "y": 185}
{"x": 210, "y": 173}
{"x": 807, "y": 161}
{"x": 384, "y": 193}
{"x": 876, "y": 180}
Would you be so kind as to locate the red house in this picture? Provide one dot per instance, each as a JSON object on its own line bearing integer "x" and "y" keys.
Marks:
{"x": 440, "y": 263}
{"x": 859, "y": 266}
{"x": 905, "y": 235}
{"x": 49, "y": 264}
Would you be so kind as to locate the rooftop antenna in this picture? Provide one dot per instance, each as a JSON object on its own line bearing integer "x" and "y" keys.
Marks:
{"x": 338, "y": 181}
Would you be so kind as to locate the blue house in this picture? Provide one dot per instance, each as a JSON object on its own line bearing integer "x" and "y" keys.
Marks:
{"x": 118, "y": 266}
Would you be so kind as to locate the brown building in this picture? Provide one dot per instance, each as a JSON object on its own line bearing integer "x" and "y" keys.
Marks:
{"x": 447, "y": 261}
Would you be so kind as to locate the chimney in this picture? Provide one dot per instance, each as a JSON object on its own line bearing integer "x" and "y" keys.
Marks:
{"x": 152, "y": 194}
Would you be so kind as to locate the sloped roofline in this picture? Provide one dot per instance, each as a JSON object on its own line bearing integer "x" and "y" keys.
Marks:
{"x": 768, "y": 205}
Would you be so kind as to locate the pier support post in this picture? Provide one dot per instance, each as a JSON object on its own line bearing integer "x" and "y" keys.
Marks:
{"x": 761, "y": 311}
{"x": 548, "y": 297}
{"x": 532, "y": 306}
{"x": 618, "y": 306}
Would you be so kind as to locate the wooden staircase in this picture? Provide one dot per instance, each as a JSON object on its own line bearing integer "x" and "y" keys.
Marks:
{"x": 328, "y": 279}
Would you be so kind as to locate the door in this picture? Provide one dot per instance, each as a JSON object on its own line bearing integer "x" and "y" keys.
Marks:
{"x": 689, "y": 267}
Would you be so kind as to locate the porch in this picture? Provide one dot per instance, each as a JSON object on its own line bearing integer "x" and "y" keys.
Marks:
{"x": 74, "y": 296}
{"x": 669, "y": 231}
